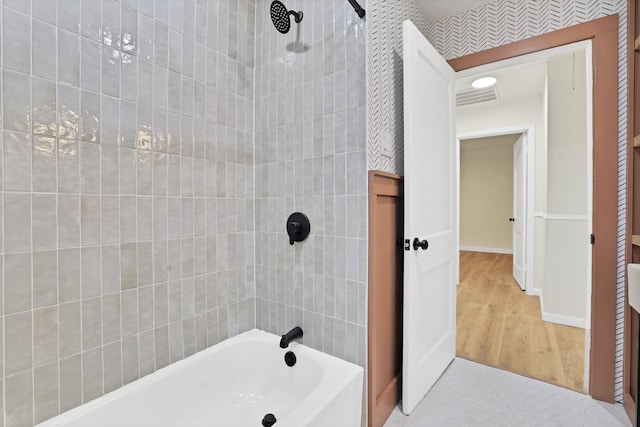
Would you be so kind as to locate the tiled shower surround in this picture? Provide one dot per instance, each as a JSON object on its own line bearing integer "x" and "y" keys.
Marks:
{"x": 310, "y": 157}
{"x": 127, "y": 192}
{"x": 143, "y": 218}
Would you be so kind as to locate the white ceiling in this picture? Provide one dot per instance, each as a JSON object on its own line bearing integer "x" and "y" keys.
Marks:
{"x": 437, "y": 9}
{"x": 488, "y": 142}
{"x": 520, "y": 81}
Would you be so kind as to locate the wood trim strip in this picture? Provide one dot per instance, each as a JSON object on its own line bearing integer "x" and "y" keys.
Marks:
{"x": 604, "y": 34}
{"x": 380, "y": 403}
{"x": 605, "y": 218}
{"x": 587, "y": 31}
{"x": 629, "y": 406}
{"x": 628, "y": 403}
{"x": 628, "y": 400}
{"x": 385, "y": 184}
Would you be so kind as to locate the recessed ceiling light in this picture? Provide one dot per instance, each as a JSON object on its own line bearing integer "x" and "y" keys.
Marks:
{"x": 484, "y": 82}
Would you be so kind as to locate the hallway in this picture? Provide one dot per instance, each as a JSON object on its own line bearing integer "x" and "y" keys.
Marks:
{"x": 500, "y": 325}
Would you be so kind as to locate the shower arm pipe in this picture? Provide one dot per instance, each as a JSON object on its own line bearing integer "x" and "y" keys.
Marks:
{"x": 297, "y": 16}
{"x": 359, "y": 10}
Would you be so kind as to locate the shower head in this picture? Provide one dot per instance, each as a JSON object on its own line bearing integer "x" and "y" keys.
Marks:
{"x": 280, "y": 16}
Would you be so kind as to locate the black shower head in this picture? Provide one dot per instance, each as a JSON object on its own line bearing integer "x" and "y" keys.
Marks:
{"x": 280, "y": 16}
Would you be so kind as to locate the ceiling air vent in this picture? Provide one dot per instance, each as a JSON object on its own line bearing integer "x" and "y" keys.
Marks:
{"x": 475, "y": 96}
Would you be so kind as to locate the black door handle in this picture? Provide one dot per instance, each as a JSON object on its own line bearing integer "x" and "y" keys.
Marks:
{"x": 417, "y": 244}
{"x": 512, "y": 220}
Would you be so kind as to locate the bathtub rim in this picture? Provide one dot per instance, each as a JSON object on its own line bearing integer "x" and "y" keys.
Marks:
{"x": 352, "y": 372}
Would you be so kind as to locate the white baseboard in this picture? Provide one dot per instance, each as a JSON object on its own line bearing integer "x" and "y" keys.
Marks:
{"x": 535, "y": 293}
{"x": 487, "y": 250}
{"x": 564, "y": 320}
{"x": 561, "y": 319}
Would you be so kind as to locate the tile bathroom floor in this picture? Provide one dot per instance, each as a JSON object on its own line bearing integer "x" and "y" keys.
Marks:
{"x": 472, "y": 394}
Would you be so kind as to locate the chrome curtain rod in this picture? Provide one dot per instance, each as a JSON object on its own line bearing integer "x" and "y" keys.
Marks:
{"x": 359, "y": 10}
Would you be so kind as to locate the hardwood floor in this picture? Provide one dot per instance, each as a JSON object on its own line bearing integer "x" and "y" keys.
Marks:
{"x": 500, "y": 325}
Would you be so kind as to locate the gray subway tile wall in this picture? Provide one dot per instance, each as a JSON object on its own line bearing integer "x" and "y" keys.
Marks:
{"x": 310, "y": 156}
{"x": 127, "y": 238}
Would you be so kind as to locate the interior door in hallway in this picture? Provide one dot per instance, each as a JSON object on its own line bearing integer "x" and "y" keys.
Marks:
{"x": 519, "y": 210}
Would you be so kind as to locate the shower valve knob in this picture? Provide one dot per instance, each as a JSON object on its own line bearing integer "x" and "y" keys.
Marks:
{"x": 298, "y": 227}
{"x": 294, "y": 227}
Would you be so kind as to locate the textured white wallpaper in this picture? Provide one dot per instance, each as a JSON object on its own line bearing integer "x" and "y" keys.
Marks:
{"x": 488, "y": 26}
{"x": 384, "y": 78}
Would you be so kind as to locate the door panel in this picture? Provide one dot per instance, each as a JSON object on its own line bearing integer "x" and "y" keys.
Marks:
{"x": 385, "y": 295}
{"x": 519, "y": 211}
{"x": 430, "y": 214}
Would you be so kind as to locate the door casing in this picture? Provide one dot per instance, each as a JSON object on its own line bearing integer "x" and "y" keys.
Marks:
{"x": 529, "y": 130}
{"x": 603, "y": 33}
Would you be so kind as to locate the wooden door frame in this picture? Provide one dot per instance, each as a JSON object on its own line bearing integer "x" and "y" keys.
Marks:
{"x": 603, "y": 34}
{"x": 633, "y": 214}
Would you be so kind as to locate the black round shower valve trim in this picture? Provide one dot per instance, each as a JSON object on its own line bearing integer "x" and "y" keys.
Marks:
{"x": 298, "y": 227}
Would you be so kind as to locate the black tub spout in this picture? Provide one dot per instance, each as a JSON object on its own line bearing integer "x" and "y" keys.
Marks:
{"x": 290, "y": 336}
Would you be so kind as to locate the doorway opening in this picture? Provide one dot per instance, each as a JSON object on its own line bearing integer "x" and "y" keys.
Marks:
{"x": 526, "y": 171}
{"x": 383, "y": 372}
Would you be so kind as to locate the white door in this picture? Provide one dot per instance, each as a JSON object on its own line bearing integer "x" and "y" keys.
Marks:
{"x": 430, "y": 217}
{"x": 519, "y": 210}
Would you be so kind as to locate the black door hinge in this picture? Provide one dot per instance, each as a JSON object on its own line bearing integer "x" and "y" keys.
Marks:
{"x": 593, "y": 239}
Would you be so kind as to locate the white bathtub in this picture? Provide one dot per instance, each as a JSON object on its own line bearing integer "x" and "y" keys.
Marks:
{"x": 234, "y": 384}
